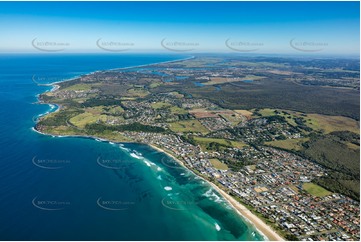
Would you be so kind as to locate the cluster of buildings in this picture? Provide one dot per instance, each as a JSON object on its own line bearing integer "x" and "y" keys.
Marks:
{"x": 268, "y": 180}
{"x": 273, "y": 187}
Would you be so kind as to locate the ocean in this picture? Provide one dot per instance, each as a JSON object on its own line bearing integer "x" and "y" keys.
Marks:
{"x": 67, "y": 188}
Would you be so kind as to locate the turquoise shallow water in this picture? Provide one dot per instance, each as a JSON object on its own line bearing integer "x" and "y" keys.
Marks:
{"x": 63, "y": 188}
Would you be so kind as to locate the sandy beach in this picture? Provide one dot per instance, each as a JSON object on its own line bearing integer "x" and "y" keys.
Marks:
{"x": 242, "y": 210}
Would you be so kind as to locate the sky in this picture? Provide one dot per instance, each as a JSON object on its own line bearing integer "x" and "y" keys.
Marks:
{"x": 239, "y": 27}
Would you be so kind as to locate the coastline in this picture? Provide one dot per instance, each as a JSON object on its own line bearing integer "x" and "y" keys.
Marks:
{"x": 55, "y": 87}
{"x": 245, "y": 213}
{"x": 261, "y": 226}
{"x": 264, "y": 229}
{"x": 157, "y": 63}
{"x": 54, "y": 84}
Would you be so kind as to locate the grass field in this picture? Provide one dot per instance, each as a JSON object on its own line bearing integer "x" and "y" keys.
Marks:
{"x": 289, "y": 144}
{"x": 115, "y": 110}
{"x": 315, "y": 190}
{"x": 173, "y": 109}
{"x": 233, "y": 118}
{"x": 177, "y": 94}
{"x": 332, "y": 123}
{"x": 159, "y": 105}
{"x": 203, "y": 142}
{"x": 188, "y": 126}
{"x": 78, "y": 87}
{"x": 289, "y": 117}
{"x": 218, "y": 165}
{"x": 238, "y": 144}
{"x": 266, "y": 112}
{"x": 155, "y": 84}
{"x": 138, "y": 92}
{"x": 245, "y": 113}
{"x": 86, "y": 118}
{"x": 97, "y": 110}
{"x": 112, "y": 110}
{"x": 352, "y": 146}
{"x": 178, "y": 110}
{"x": 325, "y": 123}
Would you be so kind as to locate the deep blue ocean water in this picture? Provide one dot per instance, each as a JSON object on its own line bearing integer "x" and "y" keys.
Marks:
{"x": 63, "y": 188}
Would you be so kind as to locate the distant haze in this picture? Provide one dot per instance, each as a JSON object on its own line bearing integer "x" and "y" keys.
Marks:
{"x": 188, "y": 27}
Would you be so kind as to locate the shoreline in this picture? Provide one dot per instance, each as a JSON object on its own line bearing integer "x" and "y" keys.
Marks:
{"x": 55, "y": 87}
{"x": 157, "y": 63}
{"x": 261, "y": 226}
{"x": 264, "y": 229}
{"x": 113, "y": 69}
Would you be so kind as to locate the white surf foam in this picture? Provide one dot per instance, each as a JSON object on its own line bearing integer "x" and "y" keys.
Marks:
{"x": 121, "y": 146}
{"x": 147, "y": 163}
{"x": 218, "y": 228}
{"x": 134, "y": 155}
{"x": 213, "y": 196}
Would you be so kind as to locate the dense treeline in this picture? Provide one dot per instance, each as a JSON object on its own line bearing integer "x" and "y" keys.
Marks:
{"x": 334, "y": 185}
{"x": 189, "y": 139}
{"x": 59, "y": 118}
{"x": 93, "y": 102}
{"x": 137, "y": 127}
{"x": 342, "y": 162}
{"x": 281, "y": 94}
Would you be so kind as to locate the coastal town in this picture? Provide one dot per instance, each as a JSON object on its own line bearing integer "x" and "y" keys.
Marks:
{"x": 259, "y": 156}
{"x": 274, "y": 188}
{"x": 180, "y": 120}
